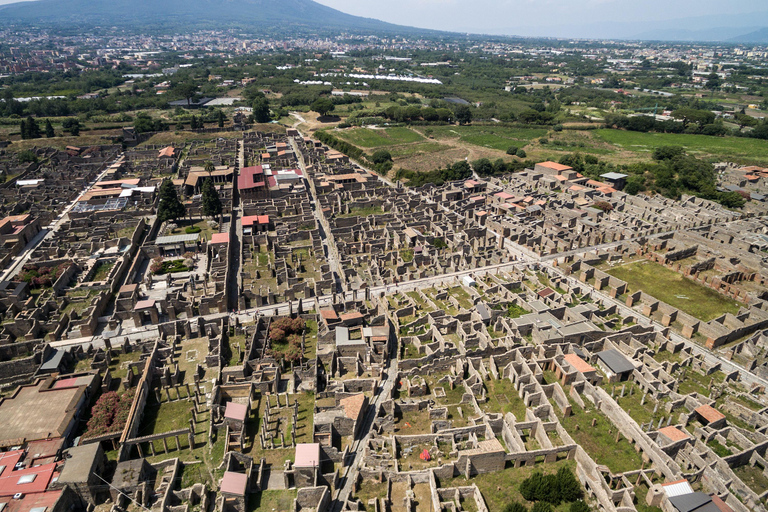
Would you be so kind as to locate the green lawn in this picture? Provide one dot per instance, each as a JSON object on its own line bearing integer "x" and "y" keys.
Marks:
{"x": 729, "y": 148}
{"x": 367, "y": 138}
{"x": 674, "y": 289}
{"x": 269, "y": 501}
{"x": 600, "y": 441}
{"x": 753, "y": 477}
{"x": 416, "y": 149}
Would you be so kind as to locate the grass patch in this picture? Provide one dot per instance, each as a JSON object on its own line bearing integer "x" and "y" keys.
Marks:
{"x": 102, "y": 270}
{"x": 503, "y": 487}
{"x": 674, "y": 289}
{"x": 269, "y": 501}
{"x": 600, "y": 441}
{"x": 367, "y": 138}
{"x": 729, "y": 148}
{"x": 493, "y": 137}
{"x": 753, "y": 477}
{"x": 362, "y": 212}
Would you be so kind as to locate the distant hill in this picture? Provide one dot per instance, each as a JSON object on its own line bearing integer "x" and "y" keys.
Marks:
{"x": 758, "y": 36}
{"x": 156, "y": 14}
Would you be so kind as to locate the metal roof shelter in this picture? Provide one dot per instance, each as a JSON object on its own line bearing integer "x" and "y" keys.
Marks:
{"x": 615, "y": 361}
{"x": 177, "y": 239}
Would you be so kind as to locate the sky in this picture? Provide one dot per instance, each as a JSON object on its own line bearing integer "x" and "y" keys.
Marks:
{"x": 556, "y": 18}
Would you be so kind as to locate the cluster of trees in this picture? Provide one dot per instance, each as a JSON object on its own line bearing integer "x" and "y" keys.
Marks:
{"x": 29, "y": 128}
{"x": 458, "y": 171}
{"x": 145, "y": 123}
{"x": 285, "y": 336}
{"x": 548, "y": 491}
{"x": 382, "y": 161}
{"x": 484, "y": 167}
{"x": 340, "y": 145}
{"x": 671, "y": 173}
{"x": 687, "y": 120}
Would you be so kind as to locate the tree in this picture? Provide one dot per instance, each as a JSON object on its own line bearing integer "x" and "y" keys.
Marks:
{"x": 515, "y": 507}
{"x": 169, "y": 206}
{"x": 72, "y": 125}
{"x": 483, "y": 167}
{"x": 578, "y": 506}
{"x": 49, "y": 129}
{"x": 322, "y": 106}
{"x": 261, "y": 109}
{"x": 220, "y": 119}
{"x": 689, "y": 115}
{"x": 211, "y": 200}
{"x": 463, "y": 114}
{"x": 209, "y": 167}
{"x": 380, "y": 156}
{"x": 30, "y": 129}
{"x": 745, "y": 120}
{"x": 713, "y": 82}
{"x": 193, "y": 123}
{"x": 186, "y": 90}
{"x": 512, "y": 150}
{"x": 521, "y": 153}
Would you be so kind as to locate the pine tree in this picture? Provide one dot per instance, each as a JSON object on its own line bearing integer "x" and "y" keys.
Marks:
{"x": 23, "y": 129}
{"x": 211, "y": 200}
{"x": 193, "y": 123}
{"x": 169, "y": 207}
{"x": 221, "y": 119}
{"x": 49, "y": 129}
{"x": 33, "y": 129}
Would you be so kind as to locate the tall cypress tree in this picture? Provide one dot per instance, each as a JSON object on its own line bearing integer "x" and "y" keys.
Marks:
{"x": 33, "y": 129}
{"x": 23, "y": 129}
{"x": 49, "y": 129}
{"x": 169, "y": 207}
{"x": 211, "y": 200}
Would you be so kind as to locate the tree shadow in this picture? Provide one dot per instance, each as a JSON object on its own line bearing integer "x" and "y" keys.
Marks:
{"x": 328, "y": 119}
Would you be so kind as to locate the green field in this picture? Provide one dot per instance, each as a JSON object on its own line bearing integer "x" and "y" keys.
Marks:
{"x": 730, "y": 148}
{"x": 674, "y": 289}
{"x": 494, "y": 137}
{"x": 367, "y": 138}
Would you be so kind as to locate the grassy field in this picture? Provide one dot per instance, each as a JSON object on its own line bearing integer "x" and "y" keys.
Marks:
{"x": 503, "y": 487}
{"x": 367, "y": 138}
{"x": 492, "y": 137}
{"x": 730, "y": 148}
{"x": 674, "y": 289}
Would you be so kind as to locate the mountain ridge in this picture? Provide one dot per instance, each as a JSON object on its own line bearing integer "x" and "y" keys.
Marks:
{"x": 258, "y": 14}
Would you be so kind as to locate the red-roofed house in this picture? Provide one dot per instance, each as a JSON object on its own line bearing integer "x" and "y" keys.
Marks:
{"x": 710, "y": 416}
{"x": 307, "y": 464}
{"x": 354, "y": 409}
{"x": 234, "y": 484}
{"x": 551, "y": 168}
{"x": 219, "y": 238}
{"x": 674, "y": 434}
{"x": 257, "y": 223}
{"x": 251, "y": 183}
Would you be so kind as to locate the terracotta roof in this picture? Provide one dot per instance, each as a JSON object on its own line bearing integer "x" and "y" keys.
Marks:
{"x": 709, "y": 413}
{"x": 236, "y": 411}
{"x": 578, "y": 363}
{"x": 352, "y": 405}
{"x": 329, "y": 314}
{"x": 673, "y": 434}
{"x": 170, "y": 151}
{"x": 220, "y": 238}
{"x": 556, "y": 166}
{"x": 504, "y": 195}
{"x": 144, "y": 304}
{"x": 352, "y": 315}
{"x": 307, "y": 455}
{"x": 234, "y": 483}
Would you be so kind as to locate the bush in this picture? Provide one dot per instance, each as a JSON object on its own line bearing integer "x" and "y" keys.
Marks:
{"x": 520, "y": 153}
{"x": 515, "y": 507}
{"x": 542, "y": 506}
{"x": 27, "y": 156}
{"x": 512, "y": 150}
{"x": 578, "y": 506}
{"x": 560, "y": 487}
{"x": 191, "y": 230}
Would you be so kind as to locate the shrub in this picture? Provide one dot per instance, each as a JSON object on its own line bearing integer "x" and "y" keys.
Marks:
{"x": 578, "y": 506}
{"x": 515, "y": 507}
{"x": 512, "y": 150}
{"x": 521, "y": 153}
{"x": 191, "y": 230}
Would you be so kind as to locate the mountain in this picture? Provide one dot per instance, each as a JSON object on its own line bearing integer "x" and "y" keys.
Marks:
{"x": 758, "y": 36}
{"x": 256, "y": 14}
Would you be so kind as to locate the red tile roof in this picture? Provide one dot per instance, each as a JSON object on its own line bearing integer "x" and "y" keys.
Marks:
{"x": 578, "y": 363}
{"x": 234, "y": 483}
{"x": 9, "y": 481}
{"x": 235, "y": 411}
{"x": 329, "y": 314}
{"x": 248, "y": 176}
{"x": 307, "y": 455}
{"x": 674, "y": 434}
{"x": 556, "y": 166}
{"x": 352, "y": 405}
{"x": 220, "y": 238}
{"x": 709, "y": 413}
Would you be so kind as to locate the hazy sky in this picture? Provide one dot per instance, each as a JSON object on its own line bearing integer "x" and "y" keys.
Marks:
{"x": 539, "y": 17}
